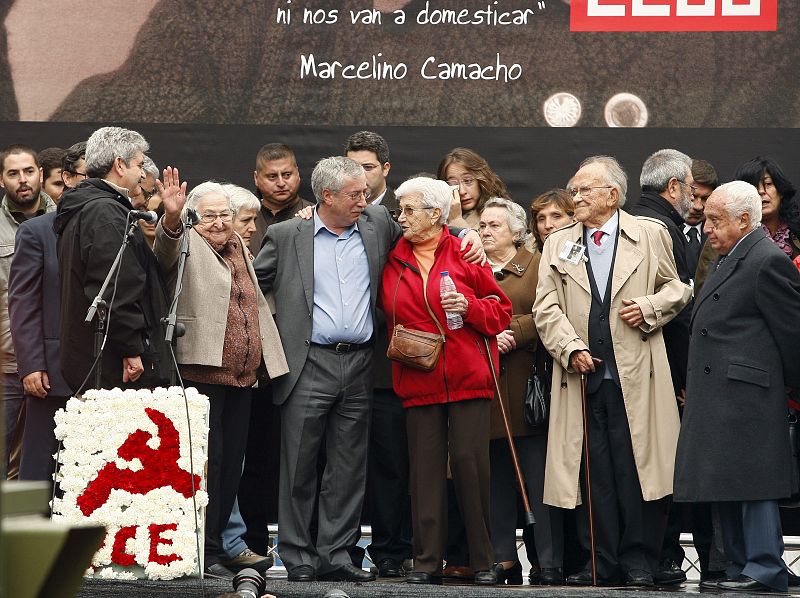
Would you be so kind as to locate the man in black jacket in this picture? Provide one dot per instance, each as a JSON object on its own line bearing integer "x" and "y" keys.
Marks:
{"x": 667, "y": 192}
{"x": 91, "y": 222}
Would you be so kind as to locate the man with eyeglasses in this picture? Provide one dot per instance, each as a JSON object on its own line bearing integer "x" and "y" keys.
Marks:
{"x": 147, "y": 187}
{"x": 607, "y": 285}
{"x": 73, "y": 169}
{"x": 21, "y": 178}
{"x": 91, "y": 222}
{"x": 668, "y": 195}
{"x": 387, "y": 507}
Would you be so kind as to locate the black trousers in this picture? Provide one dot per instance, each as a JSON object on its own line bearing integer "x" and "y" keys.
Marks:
{"x": 628, "y": 530}
{"x": 39, "y": 442}
{"x": 388, "y": 503}
{"x": 258, "y": 489}
{"x": 227, "y": 438}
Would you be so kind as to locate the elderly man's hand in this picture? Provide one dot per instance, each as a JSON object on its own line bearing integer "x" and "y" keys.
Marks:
{"x": 36, "y": 384}
{"x": 173, "y": 196}
{"x": 582, "y": 362}
{"x": 631, "y": 314}
{"x": 132, "y": 368}
{"x": 475, "y": 254}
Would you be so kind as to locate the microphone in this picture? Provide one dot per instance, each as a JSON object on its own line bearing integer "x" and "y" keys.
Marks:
{"x": 192, "y": 216}
{"x": 249, "y": 584}
{"x": 149, "y": 217}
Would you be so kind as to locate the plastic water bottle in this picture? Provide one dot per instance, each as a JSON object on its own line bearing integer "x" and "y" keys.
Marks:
{"x": 446, "y": 285}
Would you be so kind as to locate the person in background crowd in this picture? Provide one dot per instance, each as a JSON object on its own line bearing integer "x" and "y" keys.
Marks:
{"x": 91, "y": 222}
{"x": 245, "y": 208}
{"x": 550, "y": 211}
{"x": 705, "y": 181}
{"x": 387, "y": 507}
{"x": 503, "y": 230}
{"x": 21, "y": 178}
{"x": 52, "y": 183}
{"x": 734, "y": 447}
{"x": 780, "y": 217}
{"x": 219, "y": 356}
{"x": 667, "y": 195}
{"x": 277, "y": 181}
{"x": 147, "y": 187}
{"x": 448, "y": 408}
{"x": 476, "y": 182}
{"x": 73, "y": 169}
{"x": 628, "y": 287}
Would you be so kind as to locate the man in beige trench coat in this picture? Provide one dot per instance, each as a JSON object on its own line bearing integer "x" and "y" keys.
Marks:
{"x": 607, "y": 285}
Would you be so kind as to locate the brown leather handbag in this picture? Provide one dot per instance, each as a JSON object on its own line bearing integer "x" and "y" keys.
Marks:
{"x": 414, "y": 348}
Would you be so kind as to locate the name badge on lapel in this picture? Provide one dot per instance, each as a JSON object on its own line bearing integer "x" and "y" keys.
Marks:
{"x": 573, "y": 253}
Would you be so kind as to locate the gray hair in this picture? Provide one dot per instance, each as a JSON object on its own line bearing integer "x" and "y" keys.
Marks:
{"x": 740, "y": 198}
{"x": 150, "y": 167}
{"x": 434, "y": 193}
{"x": 241, "y": 198}
{"x": 197, "y": 194}
{"x": 109, "y": 143}
{"x": 331, "y": 173}
{"x": 615, "y": 174}
{"x": 662, "y": 166}
{"x": 517, "y": 218}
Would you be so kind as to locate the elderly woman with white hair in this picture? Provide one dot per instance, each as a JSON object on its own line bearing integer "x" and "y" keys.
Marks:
{"x": 503, "y": 229}
{"x": 448, "y": 408}
{"x": 230, "y": 333}
{"x": 245, "y": 206}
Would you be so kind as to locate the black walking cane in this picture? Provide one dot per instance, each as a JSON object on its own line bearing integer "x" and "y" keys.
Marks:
{"x": 587, "y": 473}
{"x": 529, "y": 518}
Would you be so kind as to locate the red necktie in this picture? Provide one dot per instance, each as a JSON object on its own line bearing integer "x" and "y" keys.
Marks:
{"x": 597, "y": 236}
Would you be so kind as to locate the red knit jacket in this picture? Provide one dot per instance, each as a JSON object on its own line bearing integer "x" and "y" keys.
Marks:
{"x": 462, "y": 371}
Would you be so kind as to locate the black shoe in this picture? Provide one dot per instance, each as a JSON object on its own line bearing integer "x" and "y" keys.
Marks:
{"x": 794, "y": 580}
{"x": 551, "y": 576}
{"x": 534, "y": 574}
{"x": 218, "y": 571}
{"x": 420, "y": 577}
{"x": 390, "y": 568}
{"x": 348, "y": 572}
{"x": 511, "y": 577}
{"x": 637, "y": 578}
{"x": 488, "y": 577}
{"x": 712, "y": 583}
{"x": 744, "y": 584}
{"x": 301, "y": 573}
{"x": 669, "y": 574}
{"x": 584, "y": 578}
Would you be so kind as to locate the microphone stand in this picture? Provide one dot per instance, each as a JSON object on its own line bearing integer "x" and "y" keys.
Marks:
{"x": 100, "y": 308}
{"x": 173, "y": 328}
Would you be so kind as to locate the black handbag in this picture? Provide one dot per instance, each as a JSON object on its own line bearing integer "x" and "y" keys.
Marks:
{"x": 537, "y": 395}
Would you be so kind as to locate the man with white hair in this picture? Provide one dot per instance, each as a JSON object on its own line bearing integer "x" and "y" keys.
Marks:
{"x": 91, "y": 222}
{"x": 607, "y": 285}
{"x": 734, "y": 447}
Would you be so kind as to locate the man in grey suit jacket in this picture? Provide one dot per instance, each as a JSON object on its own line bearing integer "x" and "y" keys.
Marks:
{"x": 326, "y": 322}
{"x": 734, "y": 447}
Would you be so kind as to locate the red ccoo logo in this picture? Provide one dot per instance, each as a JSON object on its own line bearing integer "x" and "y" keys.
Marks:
{"x": 674, "y": 15}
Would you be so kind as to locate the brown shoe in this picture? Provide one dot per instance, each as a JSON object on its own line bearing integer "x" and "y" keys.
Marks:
{"x": 458, "y": 572}
{"x": 249, "y": 559}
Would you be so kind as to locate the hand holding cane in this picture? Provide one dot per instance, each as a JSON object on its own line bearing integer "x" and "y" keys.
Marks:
{"x": 529, "y": 518}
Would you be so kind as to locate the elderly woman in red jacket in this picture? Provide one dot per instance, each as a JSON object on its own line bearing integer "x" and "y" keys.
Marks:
{"x": 448, "y": 407}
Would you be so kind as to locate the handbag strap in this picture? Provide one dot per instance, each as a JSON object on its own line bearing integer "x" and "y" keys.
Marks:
{"x": 424, "y": 295}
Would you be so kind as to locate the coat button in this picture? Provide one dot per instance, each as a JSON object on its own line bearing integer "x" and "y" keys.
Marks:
{"x": 704, "y": 332}
{"x": 600, "y": 341}
{"x": 715, "y": 296}
{"x": 307, "y": 342}
{"x": 707, "y": 369}
{"x": 643, "y": 337}
{"x": 602, "y": 318}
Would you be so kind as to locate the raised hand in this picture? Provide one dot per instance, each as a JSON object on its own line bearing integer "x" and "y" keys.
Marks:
{"x": 173, "y": 196}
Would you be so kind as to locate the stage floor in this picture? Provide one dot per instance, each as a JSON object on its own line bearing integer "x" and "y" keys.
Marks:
{"x": 277, "y": 585}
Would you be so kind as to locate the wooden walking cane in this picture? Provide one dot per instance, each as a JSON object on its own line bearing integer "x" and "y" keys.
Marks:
{"x": 587, "y": 474}
{"x": 529, "y": 518}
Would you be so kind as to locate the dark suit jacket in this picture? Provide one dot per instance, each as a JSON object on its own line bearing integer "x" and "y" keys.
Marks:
{"x": 745, "y": 347}
{"x": 34, "y": 302}
{"x": 285, "y": 267}
{"x": 381, "y": 365}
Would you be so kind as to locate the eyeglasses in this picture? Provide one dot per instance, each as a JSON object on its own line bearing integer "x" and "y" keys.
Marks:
{"x": 76, "y": 173}
{"x": 356, "y": 195}
{"x": 585, "y": 191}
{"x": 211, "y": 217}
{"x": 409, "y": 211}
{"x": 692, "y": 187}
{"x": 466, "y": 182}
{"x": 148, "y": 194}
